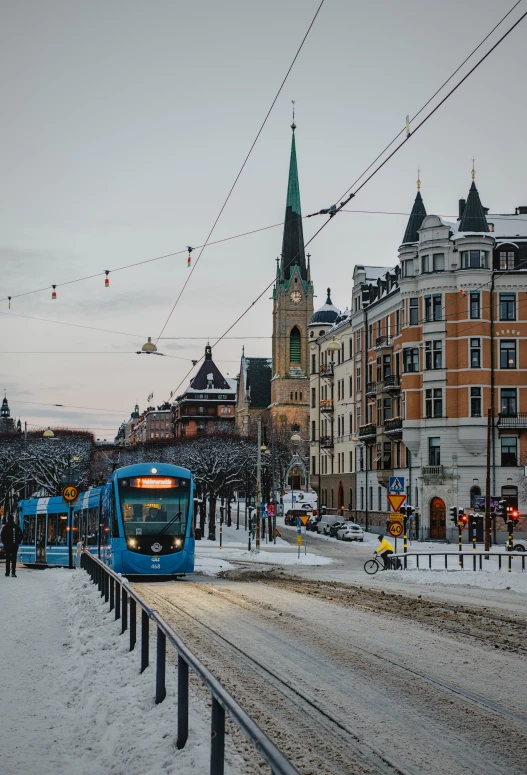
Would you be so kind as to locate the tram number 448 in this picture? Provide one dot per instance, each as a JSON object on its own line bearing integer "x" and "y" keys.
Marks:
{"x": 156, "y": 565}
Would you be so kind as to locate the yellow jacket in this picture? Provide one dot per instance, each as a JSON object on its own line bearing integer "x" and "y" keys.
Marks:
{"x": 384, "y": 546}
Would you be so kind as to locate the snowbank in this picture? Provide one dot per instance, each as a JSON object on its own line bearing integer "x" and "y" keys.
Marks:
{"x": 72, "y": 698}
{"x": 484, "y": 579}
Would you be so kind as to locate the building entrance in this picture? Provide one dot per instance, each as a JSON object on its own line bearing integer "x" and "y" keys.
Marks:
{"x": 437, "y": 519}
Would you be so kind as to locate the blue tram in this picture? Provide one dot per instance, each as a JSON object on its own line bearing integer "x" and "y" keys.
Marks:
{"x": 140, "y": 522}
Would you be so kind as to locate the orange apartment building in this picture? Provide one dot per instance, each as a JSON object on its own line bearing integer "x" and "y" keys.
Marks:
{"x": 435, "y": 343}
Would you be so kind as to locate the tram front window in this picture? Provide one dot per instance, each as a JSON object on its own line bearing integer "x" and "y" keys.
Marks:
{"x": 153, "y": 505}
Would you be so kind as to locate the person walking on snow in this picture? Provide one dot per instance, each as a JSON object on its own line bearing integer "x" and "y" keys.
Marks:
{"x": 384, "y": 549}
{"x": 11, "y": 537}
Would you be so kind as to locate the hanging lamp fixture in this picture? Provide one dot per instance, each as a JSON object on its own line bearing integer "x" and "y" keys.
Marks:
{"x": 107, "y": 279}
{"x": 54, "y": 292}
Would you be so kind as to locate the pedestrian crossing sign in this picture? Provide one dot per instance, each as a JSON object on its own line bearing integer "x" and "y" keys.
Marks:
{"x": 396, "y": 485}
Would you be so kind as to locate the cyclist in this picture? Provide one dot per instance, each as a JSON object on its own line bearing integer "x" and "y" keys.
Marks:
{"x": 384, "y": 550}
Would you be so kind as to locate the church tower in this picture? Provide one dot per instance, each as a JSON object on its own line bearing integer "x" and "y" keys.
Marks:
{"x": 292, "y": 311}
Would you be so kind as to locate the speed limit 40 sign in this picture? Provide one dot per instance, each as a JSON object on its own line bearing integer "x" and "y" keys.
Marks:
{"x": 70, "y": 493}
{"x": 395, "y": 529}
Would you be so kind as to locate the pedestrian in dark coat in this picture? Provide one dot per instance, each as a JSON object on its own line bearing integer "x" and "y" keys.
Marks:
{"x": 11, "y": 537}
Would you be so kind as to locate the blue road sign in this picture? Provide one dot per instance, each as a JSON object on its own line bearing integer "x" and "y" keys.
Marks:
{"x": 396, "y": 485}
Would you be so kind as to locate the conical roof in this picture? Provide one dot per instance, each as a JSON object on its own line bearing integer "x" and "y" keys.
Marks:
{"x": 473, "y": 218}
{"x": 415, "y": 220}
{"x": 293, "y": 241}
{"x": 327, "y": 314}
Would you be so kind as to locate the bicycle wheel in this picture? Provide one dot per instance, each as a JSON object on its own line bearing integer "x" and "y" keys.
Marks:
{"x": 371, "y": 567}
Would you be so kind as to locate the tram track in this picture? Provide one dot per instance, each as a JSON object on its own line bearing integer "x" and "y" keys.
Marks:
{"x": 437, "y": 615}
{"x": 335, "y": 729}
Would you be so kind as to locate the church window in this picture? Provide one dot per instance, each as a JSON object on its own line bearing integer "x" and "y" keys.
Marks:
{"x": 300, "y": 395}
{"x": 294, "y": 346}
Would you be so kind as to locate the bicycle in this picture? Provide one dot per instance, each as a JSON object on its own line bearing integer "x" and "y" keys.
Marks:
{"x": 372, "y": 566}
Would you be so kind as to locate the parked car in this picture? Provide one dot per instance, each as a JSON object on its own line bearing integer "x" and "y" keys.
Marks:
{"x": 292, "y": 514}
{"x": 350, "y": 532}
{"x": 325, "y": 523}
{"x": 312, "y": 523}
{"x": 333, "y": 529}
{"x": 519, "y": 545}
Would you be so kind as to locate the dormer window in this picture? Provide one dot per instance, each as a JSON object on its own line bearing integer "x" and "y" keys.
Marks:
{"x": 474, "y": 259}
{"x": 506, "y": 259}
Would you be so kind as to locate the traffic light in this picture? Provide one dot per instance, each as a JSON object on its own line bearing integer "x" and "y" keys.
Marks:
{"x": 515, "y": 515}
{"x": 453, "y": 514}
{"x": 410, "y": 511}
{"x": 464, "y": 519}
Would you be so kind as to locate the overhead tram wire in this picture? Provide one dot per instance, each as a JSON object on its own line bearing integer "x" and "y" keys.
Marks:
{"x": 241, "y": 168}
{"x": 365, "y": 182}
{"x": 273, "y": 226}
{"x": 434, "y": 95}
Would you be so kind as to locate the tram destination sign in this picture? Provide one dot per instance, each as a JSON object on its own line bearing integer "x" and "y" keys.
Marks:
{"x": 70, "y": 493}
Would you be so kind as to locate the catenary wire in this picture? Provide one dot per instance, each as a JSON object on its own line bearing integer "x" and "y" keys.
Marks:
{"x": 241, "y": 169}
{"x": 370, "y": 177}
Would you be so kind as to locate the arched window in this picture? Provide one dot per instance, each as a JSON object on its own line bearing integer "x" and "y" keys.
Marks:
{"x": 294, "y": 346}
{"x": 475, "y": 492}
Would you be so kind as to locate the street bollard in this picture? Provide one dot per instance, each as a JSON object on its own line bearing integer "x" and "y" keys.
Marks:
{"x": 133, "y": 623}
{"x": 124, "y": 610}
{"x": 117, "y": 600}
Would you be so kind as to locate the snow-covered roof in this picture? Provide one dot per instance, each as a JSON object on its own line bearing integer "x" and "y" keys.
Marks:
{"x": 231, "y": 388}
{"x": 326, "y": 314}
{"x": 503, "y": 226}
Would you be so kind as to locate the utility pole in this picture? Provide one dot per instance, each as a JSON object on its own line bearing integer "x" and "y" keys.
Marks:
{"x": 258, "y": 483}
{"x": 487, "y": 488}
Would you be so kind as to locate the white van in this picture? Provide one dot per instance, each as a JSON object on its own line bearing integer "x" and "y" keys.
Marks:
{"x": 326, "y": 522}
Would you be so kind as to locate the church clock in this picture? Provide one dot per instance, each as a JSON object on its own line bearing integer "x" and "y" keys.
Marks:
{"x": 296, "y": 297}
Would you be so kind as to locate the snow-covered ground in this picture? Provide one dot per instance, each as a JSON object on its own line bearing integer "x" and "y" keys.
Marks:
{"x": 72, "y": 699}
{"x": 484, "y": 579}
{"x": 210, "y": 559}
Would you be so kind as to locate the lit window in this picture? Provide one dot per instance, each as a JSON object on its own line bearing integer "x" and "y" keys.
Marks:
{"x": 508, "y": 354}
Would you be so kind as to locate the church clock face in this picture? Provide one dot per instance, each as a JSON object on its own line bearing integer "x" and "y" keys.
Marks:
{"x": 295, "y": 297}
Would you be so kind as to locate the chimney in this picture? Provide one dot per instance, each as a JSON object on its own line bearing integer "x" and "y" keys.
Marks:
{"x": 462, "y": 203}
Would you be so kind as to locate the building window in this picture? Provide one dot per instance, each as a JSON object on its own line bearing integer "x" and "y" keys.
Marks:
{"x": 358, "y": 379}
{"x": 408, "y": 268}
{"x": 357, "y": 342}
{"x": 414, "y": 312}
{"x": 371, "y": 498}
{"x": 313, "y": 398}
{"x": 397, "y": 322}
{"x": 387, "y": 409}
{"x": 508, "y": 403}
{"x": 313, "y": 364}
{"x": 474, "y": 259}
{"x": 475, "y": 306}
{"x": 439, "y": 262}
{"x": 379, "y": 499}
{"x": 313, "y": 464}
{"x": 294, "y": 346}
{"x": 386, "y": 366}
{"x": 434, "y": 403}
{"x": 506, "y": 259}
{"x": 397, "y": 454}
{"x": 425, "y": 264}
{"x": 362, "y": 497}
{"x": 370, "y": 336}
{"x": 509, "y": 451}
{"x": 508, "y": 354}
{"x": 434, "y": 451}
{"x": 434, "y": 354}
{"x": 313, "y": 431}
{"x": 411, "y": 359}
{"x": 507, "y": 306}
{"x": 475, "y": 402}
{"x": 361, "y": 459}
{"x": 475, "y": 492}
{"x": 475, "y": 353}
{"x": 433, "y": 308}
{"x": 351, "y": 386}
{"x": 351, "y": 348}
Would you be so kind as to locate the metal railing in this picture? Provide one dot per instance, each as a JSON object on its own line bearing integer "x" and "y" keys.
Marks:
{"x": 512, "y": 420}
{"x": 393, "y": 425}
{"x": 433, "y": 471}
{"x": 367, "y": 430}
{"x": 123, "y": 599}
{"x": 458, "y": 559}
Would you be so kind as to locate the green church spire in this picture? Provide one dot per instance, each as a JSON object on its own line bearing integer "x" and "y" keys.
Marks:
{"x": 293, "y": 241}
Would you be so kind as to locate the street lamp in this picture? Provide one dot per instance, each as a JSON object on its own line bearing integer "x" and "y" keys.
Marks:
{"x": 48, "y": 434}
{"x": 333, "y": 346}
{"x": 149, "y": 348}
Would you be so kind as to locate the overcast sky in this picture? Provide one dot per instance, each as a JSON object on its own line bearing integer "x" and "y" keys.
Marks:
{"x": 124, "y": 123}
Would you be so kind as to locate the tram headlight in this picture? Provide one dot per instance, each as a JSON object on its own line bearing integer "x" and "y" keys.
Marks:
{"x": 132, "y": 542}
{"x": 177, "y": 542}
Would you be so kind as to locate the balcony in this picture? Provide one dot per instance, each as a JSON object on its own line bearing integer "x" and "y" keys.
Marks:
{"x": 512, "y": 421}
{"x": 368, "y": 431}
{"x": 371, "y": 389}
{"x": 394, "y": 427}
{"x": 326, "y": 442}
{"x": 384, "y": 473}
{"x": 433, "y": 472}
{"x": 326, "y": 405}
{"x": 383, "y": 341}
{"x": 392, "y": 383}
{"x": 328, "y": 370}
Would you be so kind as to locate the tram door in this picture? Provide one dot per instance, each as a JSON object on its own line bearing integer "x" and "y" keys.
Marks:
{"x": 41, "y": 538}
